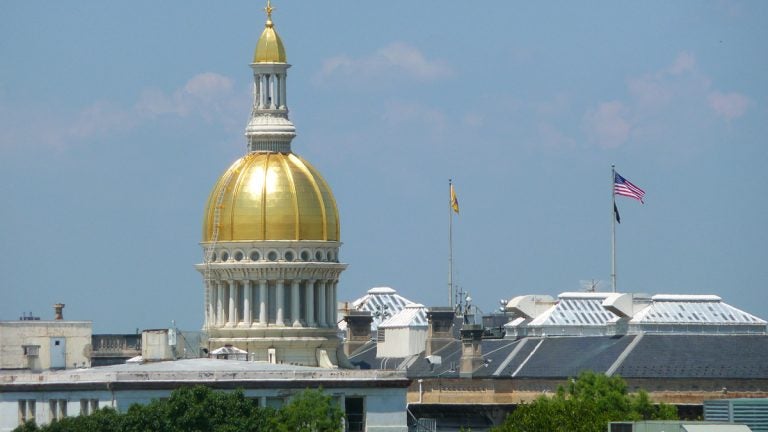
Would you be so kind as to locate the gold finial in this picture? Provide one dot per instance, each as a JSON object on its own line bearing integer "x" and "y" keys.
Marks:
{"x": 269, "y": 10}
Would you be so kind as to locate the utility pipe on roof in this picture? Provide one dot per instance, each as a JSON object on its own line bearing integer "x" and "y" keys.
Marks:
{"x": 421, "y": 391}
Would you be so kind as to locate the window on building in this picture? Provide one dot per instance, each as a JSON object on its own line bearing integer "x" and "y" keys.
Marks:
{"x": 275, "y": 402}
{"x": 31, "y": 409}
{"x": 621, "y": 427}
{"x": 88, "y": 406}
{"x": 53, "y": 406}
{"x": 58, "y": 408}
{"x": 31, "y": 350}
{"x": 26, "y": 411}
{"x": 354, "y": 407}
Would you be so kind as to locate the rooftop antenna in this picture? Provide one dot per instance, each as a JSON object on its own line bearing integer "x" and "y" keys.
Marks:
{"x": 591, "y": 285}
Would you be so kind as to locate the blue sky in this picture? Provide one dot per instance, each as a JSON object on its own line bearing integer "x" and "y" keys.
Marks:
{"x": 116, "y": 118}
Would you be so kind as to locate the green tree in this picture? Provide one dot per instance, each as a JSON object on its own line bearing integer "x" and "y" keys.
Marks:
{"x": 586, "y": 405}
{"x": 310, "y": 411}
{"x": 199, "y": 409}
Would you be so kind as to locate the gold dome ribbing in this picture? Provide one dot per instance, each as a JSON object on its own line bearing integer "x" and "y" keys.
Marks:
{"x": 272, "y": 196}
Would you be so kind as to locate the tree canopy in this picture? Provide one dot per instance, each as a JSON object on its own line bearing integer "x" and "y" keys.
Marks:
{"x": 199, "y": 409}
{"x": 586, "y": 405}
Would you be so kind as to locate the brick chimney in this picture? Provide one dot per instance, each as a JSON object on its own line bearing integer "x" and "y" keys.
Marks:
{"x": 358, "y": 330}
{"x": 439, "y": 328}
{"x": 471, "y": 349}
{"x": 58, "y": 310}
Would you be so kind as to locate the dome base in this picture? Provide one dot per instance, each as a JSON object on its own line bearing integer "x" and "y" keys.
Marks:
{"x": 305, "y": 348}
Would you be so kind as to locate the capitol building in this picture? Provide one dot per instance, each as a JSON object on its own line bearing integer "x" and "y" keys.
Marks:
{"x": 271, "y": 236}
{"x": 270, "y": 240}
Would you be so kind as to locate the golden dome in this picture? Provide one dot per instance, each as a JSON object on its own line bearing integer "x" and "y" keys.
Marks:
{"x": 272, "y": 196}
{"x": 269, "y": 48}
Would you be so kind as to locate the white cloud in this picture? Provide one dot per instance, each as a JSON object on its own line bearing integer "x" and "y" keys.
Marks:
{"x": 473, "y": 119}
{"x": 650, "y": 90}
{"x": 728, "y": 105}
{"x": 550, "y": 137}
{"x": 684, "y": 62}
{"x": 607, "y": 125}
{"x": 658, "y": 98}
{"x": 401, "y": 113}
{"x": 393, "y": 61}
{"x": 208, "y": 95}
{"x": 99, "y": 119}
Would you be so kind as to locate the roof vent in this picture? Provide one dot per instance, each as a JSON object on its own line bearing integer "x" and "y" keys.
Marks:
{"x": 58, "y": 310}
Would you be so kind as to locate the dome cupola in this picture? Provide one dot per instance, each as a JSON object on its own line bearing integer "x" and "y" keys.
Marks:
{"x": 269, "y": 48}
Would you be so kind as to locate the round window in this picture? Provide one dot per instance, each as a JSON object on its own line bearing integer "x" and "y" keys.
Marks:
{"x": 318, "y": 256}
{"x": 305, "y": 255}
{"x": 272, "y": 256}
{"x": 213, "y": 256}
{"x": 255, "y": 256}
{"x": 289, "y": 256}
{"x": 239, "y": 256}
{"x": 224, "y": 256}
{"x": 330, "y": 256}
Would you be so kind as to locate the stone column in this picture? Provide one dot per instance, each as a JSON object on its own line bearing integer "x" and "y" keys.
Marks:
{"x": 256, "y": 93}
{"x": 283, "y": 95}
{"x": 333, "y": 289}
{"x": 263, "y": 85}
{"x": 273, "y": 91}
{"x": 322, "y": 305}
{"x": 311, "y": 303}
{"x": 277, "y": 95}
{"x": 219, "y": 303}
{"x": 232, "y": 304}
{"x": 208, "y": 303}
{"x": 295, "y": 303}
{"x": 279, "y": 302}
{"x": 263, "y": 302}
{"x": 247, "y": 320}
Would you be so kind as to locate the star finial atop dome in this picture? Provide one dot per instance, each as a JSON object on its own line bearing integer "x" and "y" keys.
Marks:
{"x": 269, "y": 10}
{"x": 269, "y": 48}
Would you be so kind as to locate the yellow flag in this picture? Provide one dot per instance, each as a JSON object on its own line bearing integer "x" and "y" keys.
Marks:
{"x": 454, "y": 200}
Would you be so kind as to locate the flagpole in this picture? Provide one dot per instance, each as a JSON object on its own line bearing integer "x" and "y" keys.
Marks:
{"x": 450, "y": 245}
{"x": 613, "y": 228}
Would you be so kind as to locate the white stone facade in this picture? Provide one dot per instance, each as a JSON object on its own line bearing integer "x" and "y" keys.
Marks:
{"x": 72, "y": 392}
{"x": 278, "y": 295}
{"x": 42, "y": 345}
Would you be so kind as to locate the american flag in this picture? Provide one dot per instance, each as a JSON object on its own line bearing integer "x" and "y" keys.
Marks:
{"x": 624, "y": 187}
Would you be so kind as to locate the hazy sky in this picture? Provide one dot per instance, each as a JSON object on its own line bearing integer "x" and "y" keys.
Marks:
{"x": 116, "y": 118}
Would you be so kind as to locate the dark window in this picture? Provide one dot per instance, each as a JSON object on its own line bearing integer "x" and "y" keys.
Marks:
{"x": 354, "y": 407}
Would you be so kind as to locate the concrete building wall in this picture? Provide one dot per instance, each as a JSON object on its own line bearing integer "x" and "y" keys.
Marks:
{"x": 14, "y": 335}
{"x": 514, "y": 391}
{"x": 402, "y": 342}
{"x": 385, "y": 411}
{"x": 384, "y": 407}
{"x": 10, "y": 415}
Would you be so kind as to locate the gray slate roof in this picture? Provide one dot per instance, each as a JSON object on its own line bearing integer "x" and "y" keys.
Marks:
{"x": 631, "y": 356}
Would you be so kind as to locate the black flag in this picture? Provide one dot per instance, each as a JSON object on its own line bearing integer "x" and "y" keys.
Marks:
{"x": 616, "y": 212}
